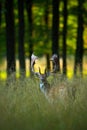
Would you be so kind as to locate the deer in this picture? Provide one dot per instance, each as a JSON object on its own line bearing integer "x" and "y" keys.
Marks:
{"x": 45, "y": 87}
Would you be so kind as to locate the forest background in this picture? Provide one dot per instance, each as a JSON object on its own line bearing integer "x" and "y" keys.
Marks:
{"x": 43, "y": 27}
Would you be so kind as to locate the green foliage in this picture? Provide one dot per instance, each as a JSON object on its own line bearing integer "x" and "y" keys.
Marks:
{"x": 39, "y": 41}
{"x": 24, "y": 107}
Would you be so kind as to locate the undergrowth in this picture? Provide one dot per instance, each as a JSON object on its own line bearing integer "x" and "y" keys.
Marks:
{"x": 24, "y": 107}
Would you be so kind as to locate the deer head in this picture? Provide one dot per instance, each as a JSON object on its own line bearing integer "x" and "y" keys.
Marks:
{"x": 43, "y": 76}
{"x": 44, "y": 85}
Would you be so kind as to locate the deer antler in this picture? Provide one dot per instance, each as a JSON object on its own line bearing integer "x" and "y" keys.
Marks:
{"x": 45, "y": 72}
{"x": 33, "y": 58}
{"x": 54, "y": 59}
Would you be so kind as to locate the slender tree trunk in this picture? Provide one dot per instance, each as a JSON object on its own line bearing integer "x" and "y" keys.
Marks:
{"x": 0, "y": 12}
{"x": 21, "y": 35}
{"x": 79, "y": 45}
{"x": 30, "y": 20}
{"x": 10, "y": 36}
{"x": 55, "y": 29}
{"x": 64, "y": 36}
{"x": 46, "y": 33}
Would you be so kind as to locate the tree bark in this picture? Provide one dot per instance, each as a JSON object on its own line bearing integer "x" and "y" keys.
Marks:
{"x": 30, "y": 20}
{"x": 10, "y": 36}
{"x": 46, "y": 18}
{"x": 79, "y": 44}
{"x": 0, "y": 12}
{"x": 21, "y": 35}
{"x": 64, "y": 37}
{"x": 55, "y": 29}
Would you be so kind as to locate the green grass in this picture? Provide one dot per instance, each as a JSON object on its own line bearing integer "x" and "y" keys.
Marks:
{"x": 24, "y": 107}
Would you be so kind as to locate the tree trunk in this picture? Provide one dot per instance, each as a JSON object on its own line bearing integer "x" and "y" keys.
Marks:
{"x": 55, "y": 29}
{"x": 0, "y": 12}
{"x": 64, "y": 36}
{"x": 29, "y": 13}
{"x": 21, "y": 36}
{"x": 10, "y": 36}
{"x": 79, "y": 45}
{"x": 47, "y": 31}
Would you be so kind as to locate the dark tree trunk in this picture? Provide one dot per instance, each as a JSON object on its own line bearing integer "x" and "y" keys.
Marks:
{"x": 46, "y": 33}
{"x": 64, "y": 36}
{"x": 10, "y": 36}
{"x": 79, "y": 45}
{"x": 30, "y": 20}
{"x": 0, "y": 12}
{"x": 21, "y": 35}
{"x": 48, "y": 61}
{"x": 55, "y": 29}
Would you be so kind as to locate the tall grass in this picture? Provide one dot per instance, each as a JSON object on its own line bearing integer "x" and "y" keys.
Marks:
{"x": 24, "y": 107}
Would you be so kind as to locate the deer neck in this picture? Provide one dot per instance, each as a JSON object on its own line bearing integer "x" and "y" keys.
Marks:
{"x": 44, "y": 87}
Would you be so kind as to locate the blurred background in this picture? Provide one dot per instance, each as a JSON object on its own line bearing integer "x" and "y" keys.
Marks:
{"x": 43, "y": 27}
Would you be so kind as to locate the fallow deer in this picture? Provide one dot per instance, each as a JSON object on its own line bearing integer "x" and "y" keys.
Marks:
{"x": 45, "y": 87}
